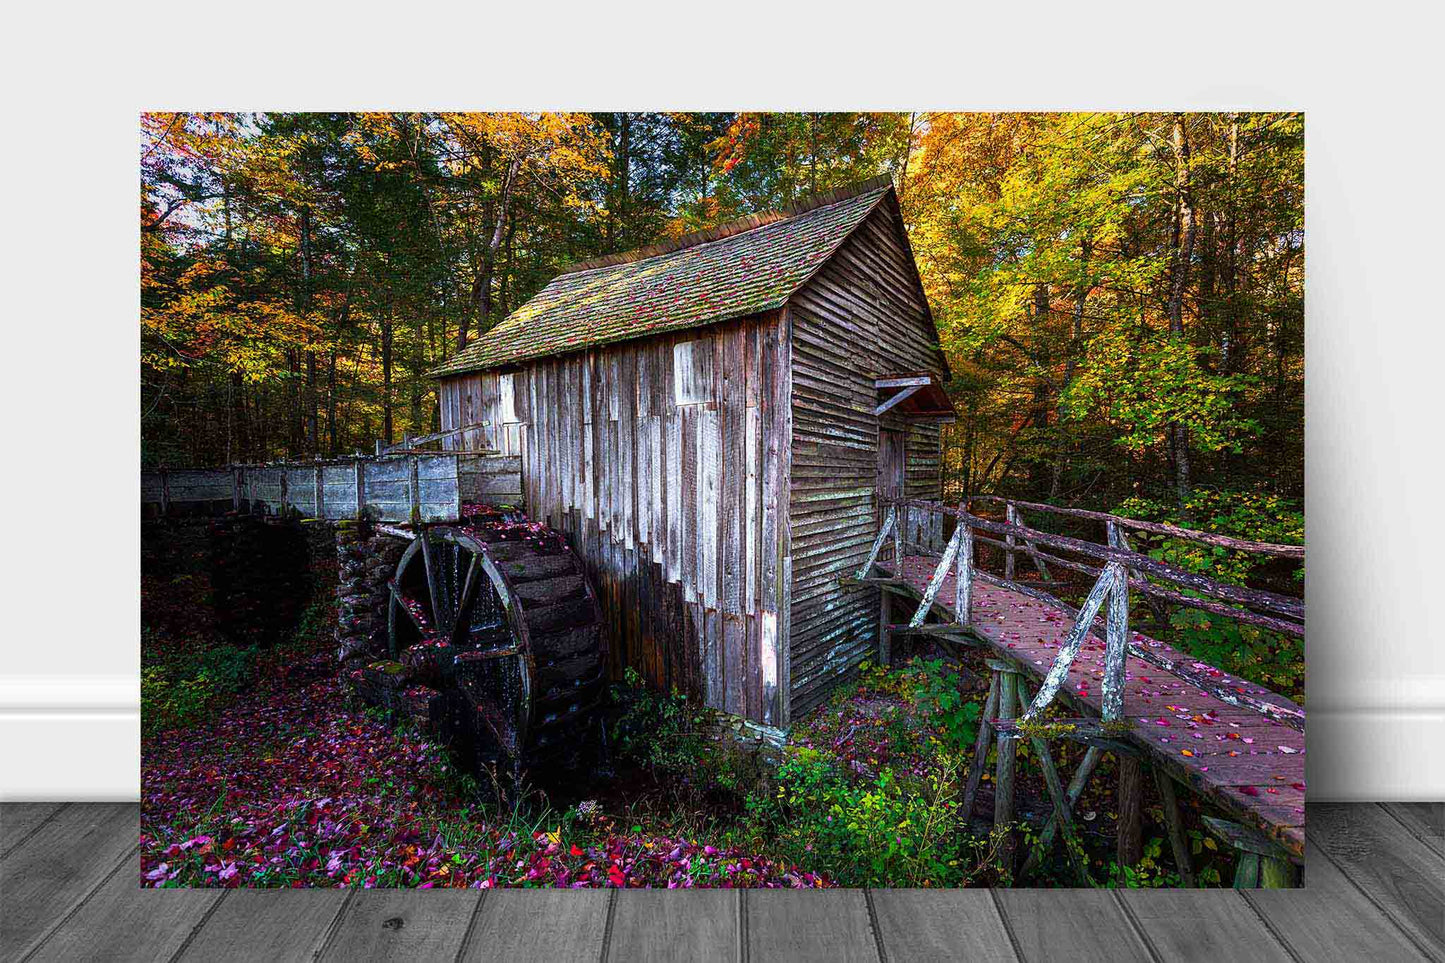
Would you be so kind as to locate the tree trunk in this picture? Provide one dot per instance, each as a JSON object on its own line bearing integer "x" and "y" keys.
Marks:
{"x": 1229, "y": 342}
{"x": 386, "y": 425}
{"x": 312, "y": 440}
{"x": 1071, "y": 359}
{"x": 238, "y": 415}
{"x": 418, "y": 372}
{"x": 295, "y": 443}
{"x": 332, "y": 448}
{"x": 1184, "y": 231}
{"x": 482, "y": 285}
{"x": 622, "y": 182}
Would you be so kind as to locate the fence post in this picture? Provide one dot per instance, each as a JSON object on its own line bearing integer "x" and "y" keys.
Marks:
{"x": 1117, "y": 539}
{"x": 963, "y": 575}
{"x": 899, "y": 514}
{"x": 415, "y": 493}
{"x": 1011, "y": 515}
{"x": 360, "y": 488}
{"x": 1116, "y": 644}
{"x": 285, "y": 489}
{"x": 320, "y": 504}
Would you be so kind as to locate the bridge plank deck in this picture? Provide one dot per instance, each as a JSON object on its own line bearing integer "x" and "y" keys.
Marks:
{"x": 1246, "y": 763}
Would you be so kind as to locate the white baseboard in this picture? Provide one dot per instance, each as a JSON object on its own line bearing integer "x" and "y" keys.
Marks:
{"x": 65, "y": 739}
{"x": 1375, "y": 755}
{"x": 70, "y": 739}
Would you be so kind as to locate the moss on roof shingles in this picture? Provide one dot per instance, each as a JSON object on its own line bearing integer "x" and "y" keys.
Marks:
{"x": 747, "y": 273}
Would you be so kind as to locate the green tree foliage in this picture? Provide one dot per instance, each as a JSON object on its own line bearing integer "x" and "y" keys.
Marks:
{"x": 1120, "y": 296}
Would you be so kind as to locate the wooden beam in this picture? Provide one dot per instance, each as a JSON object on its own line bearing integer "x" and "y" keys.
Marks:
{"x": 919, "y": 381}
{"x": 1175, "y": 826}
{"x": 888, "y": 522}
{"x": 980, "y": 748}
{"x": 905, "y": 393}
{"x": 937, "y": 628}
{"x": 930, "y": 595}
{"x": 850, "y": 581}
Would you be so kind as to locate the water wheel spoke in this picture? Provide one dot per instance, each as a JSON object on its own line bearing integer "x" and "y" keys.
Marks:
{"x": 438, "y": 601}
{"x": 415, "y": 610}
{"x": 468, "y": 596}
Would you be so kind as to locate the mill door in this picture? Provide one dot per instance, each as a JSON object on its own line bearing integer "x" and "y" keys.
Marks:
{"x": 890, "y": 468}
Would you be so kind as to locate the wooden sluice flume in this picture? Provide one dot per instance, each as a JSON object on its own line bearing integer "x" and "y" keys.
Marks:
{"x": 494, "y": 635}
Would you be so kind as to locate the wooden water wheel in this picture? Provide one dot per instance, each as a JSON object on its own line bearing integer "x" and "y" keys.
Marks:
{"x": 507, "y": 617}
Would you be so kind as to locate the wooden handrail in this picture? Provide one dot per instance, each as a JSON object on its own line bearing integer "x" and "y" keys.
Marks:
{"x": 1157, "y": 528}
{"x": 1123, "y": 569}
{"x": 1144, "y": 564}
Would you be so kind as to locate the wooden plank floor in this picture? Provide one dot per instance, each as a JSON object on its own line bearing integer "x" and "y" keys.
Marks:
{"x": 1252, "y": 766}
{"x": 1374, "y": 889}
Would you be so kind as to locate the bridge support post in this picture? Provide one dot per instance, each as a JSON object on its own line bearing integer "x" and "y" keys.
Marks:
{"x": 1051, "y": 827}
{"x": 1129, "y": 802}
{"x": 885, "y": 642}
{"x": 1175, "y": 825}
{"x": 980, "y": 747}
{"x": 1063, "y": 808}
{"x": 1006, "y": 757}
{"x": 1261, "y": 863}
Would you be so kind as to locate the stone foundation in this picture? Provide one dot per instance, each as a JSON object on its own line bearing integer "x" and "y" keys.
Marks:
{"x": 404, "y": 685}
{"x": 365, "y": 561}
{"x": 762, "y": 742}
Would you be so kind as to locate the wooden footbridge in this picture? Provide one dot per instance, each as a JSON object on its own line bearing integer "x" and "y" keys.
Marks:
{"x": 1234, "y": 742}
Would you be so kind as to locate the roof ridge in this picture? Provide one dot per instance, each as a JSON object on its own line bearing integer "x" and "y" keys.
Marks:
{"x": 734, "y": 227}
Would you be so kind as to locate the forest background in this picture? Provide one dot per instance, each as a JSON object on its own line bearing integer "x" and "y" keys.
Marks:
{"x": 1120, "y": 295}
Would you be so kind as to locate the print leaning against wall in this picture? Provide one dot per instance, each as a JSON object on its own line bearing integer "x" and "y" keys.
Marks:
{"x": 731, "y": 499}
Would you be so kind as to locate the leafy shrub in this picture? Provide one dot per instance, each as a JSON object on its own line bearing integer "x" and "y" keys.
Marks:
{"x": 878, "y": 833}
{"x": 678, "y": 740}
{"x": 228, "y": 668}
{"x": 167, "y": 703}
{"x": 655, "y": 730}
{"x": 180, "y": 684}
{"x": 935, "y": 688}
{"x": 1148, "y": 874}
{"x": 1257, "y": 516}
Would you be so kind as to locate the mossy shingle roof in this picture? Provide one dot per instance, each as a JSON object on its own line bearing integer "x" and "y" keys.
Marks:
{"x": 699, "y": 283}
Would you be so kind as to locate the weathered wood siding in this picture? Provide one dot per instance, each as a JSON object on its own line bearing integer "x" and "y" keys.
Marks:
{"x": 861, "y": 317}
{"x": 490, "y": 479}
{"x": 663, "y": 462}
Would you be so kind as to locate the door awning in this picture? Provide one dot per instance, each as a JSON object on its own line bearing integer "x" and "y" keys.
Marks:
{"x": 916, "y": 395}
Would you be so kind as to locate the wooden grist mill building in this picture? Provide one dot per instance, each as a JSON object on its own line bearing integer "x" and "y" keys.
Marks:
{"x": 710, "y": 422}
